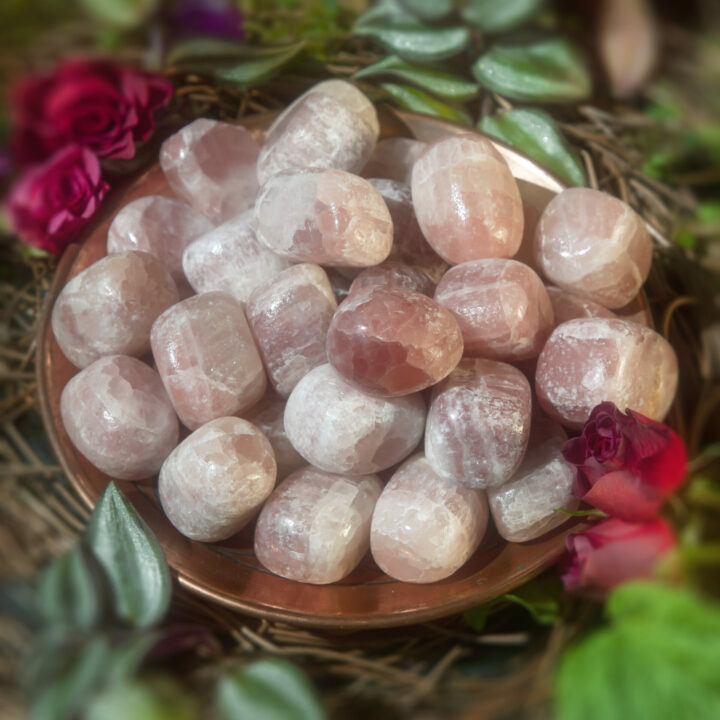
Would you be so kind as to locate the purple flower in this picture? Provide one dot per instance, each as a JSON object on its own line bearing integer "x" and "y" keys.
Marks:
{"x": 209, "y": 17}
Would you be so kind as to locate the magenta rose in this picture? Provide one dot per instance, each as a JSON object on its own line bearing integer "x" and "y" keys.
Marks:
{"x": 52, "y": 202}
{"x": 95, "y": 103}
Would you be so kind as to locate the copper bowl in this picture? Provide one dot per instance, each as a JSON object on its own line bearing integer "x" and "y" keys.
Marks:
{"x": 228, "y": 573}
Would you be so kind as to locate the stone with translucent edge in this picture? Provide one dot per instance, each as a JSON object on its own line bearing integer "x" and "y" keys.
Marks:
{"x": 502, "y": 308}
{"x": 207, "y": 358}
{"x": 393, "y": 159}
{"x": 161, "y": 226}
{"x": 466, "y": 200}
{"x": 391, "y": 341}
{"x": 567, "y": 306}
{"x": 592, "y": 360}
{"x": 478, "y": 423}
{"x": 394, "y": 274}
{"x": 109, "y": 308}
{"x": 117, "y": 414}
{"x": 328, "y": 217}
{"x": 341, "y": 429}
{"x": 594, "y": 245}
{"x": 426, "y": 527}
{"x": 231, "y": 259}
{"x": 315, "y": 528}
{"x": 289, "y": 317}
{"x": 215, "y": 480}
{"x": 333, "y": 125}
{"x": 211, "y": 165}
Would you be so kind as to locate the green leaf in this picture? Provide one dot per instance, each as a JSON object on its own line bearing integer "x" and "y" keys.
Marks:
{"x": 140, "y": 700}
{"x": 128, "y": 656}
{"x": 582, "y": 513}
{"x": 261, "y": 68}
{"x": 204, "y": 49}
{"x": 416, "y": 100}
{"x": 444, "y": 85}
{"x": 540, "y": 597}
{"x": 385, "y": 11}
{"x": 477, "y": 617}
{"x": 430, "y": 10}
{"x": 417, "y": 42}
{"x": 268, "y": 690}
{"x": 495, "y": 16}
{"x": 546, "y": 71}
{"x": 536, "y": 134}
{"x": 126, "y": 13}
{"x": 132, "y": 558}
{"x": 659, "y": 659}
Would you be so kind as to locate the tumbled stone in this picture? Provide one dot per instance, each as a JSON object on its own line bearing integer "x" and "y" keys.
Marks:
{"x": 502, "y": 308}
{"x": 267, "y": 416}
{"x": 328, "y": 217}
{"x": 207, "y": 358}
{"x": 393, "y": 159}
{"x": 526, "y": 507}
{"x": 426, "y": 527}
{"x": 215, "y": 480}
{"x": 231, "y": 259}
{"x": 211, "y": 165}
{"x": 315, "y": 528}
{"x": 392, "y": 341}
{"x": 109, "y": 308}
{"x": 590, "y": 360}
{"x": 341, "y": 429}
{"x": 117, "y": 414}
{"x": 478, "y": 423}
{"x": 289, "y": 317}
{"x": 466, "y": 200}
{"x": 594, "y": 245}
{"x": 161, "y": 226}
{"x": 333, "y": 125}
{"x": 567, "y": 306}
{"x": 394, "y": 274}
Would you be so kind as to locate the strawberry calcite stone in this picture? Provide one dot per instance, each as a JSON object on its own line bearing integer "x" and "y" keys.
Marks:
{"x": 328, "y": 217}
{"x": 567, "y": 306}
{"x": 211, "y": 165}
{"x": 289, "y": 317}
{"x": 161, "y": 226}
{"x": 333, "y": 125}
{"x": 393, "y": 158}
{"x": 117, "y": 414}
{"x": 341, "y": 429}
{"x": 478, "y": 423}
{"x": 594, "y": 245}
{"x": 591, "y": 360}
{"x": 392, "y": 341}
{"x": 502, "y": 307}
{"x": 426, "y": 527}
{"x": 394, "y": 274}
{"x": 109, "y": 308}
{"x": 215, "y": 480}
{"x": 315, "y": 528}
{"x": 207, "y": 358}
{"x": 231, "y": 259}
{"x": 466, "y": 200}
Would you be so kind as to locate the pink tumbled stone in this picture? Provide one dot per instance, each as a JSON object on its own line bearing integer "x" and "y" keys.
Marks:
{"x": 594, "y": 245}
{"x": 466, "y": 200}
{"x": 289, "y": 317}
{"x": 207, "y": 358}
{"x": 333, "y": 125}
{"x": 393, "y": 158}
{"x": 394, "y": 274}
{"x": 161, "y": 226}
{"x": 590, "y": 360}
{"x": 567, "y": 306}
{"x": 109, "y": 308}
{"x": 117, "y": 414}
{"x": 425, "y": 527}
{"x": 502, "y": 307}
{"x": 231, "y": 259}
{"x": 315, "y": 528}
{"x": 339, "y": 428}
{"x": 526, "y": 507}
{"x": 478, "y": 423}
{"x": 392, "y": 341}
{"x": 216, "y": 479}
{"x": 211, "y": 165}
{"x": 328, "y": 217}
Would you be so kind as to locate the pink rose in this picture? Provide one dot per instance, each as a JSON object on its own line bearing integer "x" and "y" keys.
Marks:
{"x": 613, "y": 552}
{"x": 95, "y": 103}
{"x": 627, "y": 464}
{"x": 52, "y": 202}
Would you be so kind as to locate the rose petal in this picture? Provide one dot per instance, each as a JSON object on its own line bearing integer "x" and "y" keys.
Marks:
{"x": 624, "y": 495}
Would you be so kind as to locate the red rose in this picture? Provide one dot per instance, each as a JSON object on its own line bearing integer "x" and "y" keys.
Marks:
{"x": 627, "y": 464}
{"x": 613, "y": 552}
{"x": 95, "y": 103}
{"x": 50, "y": 203}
